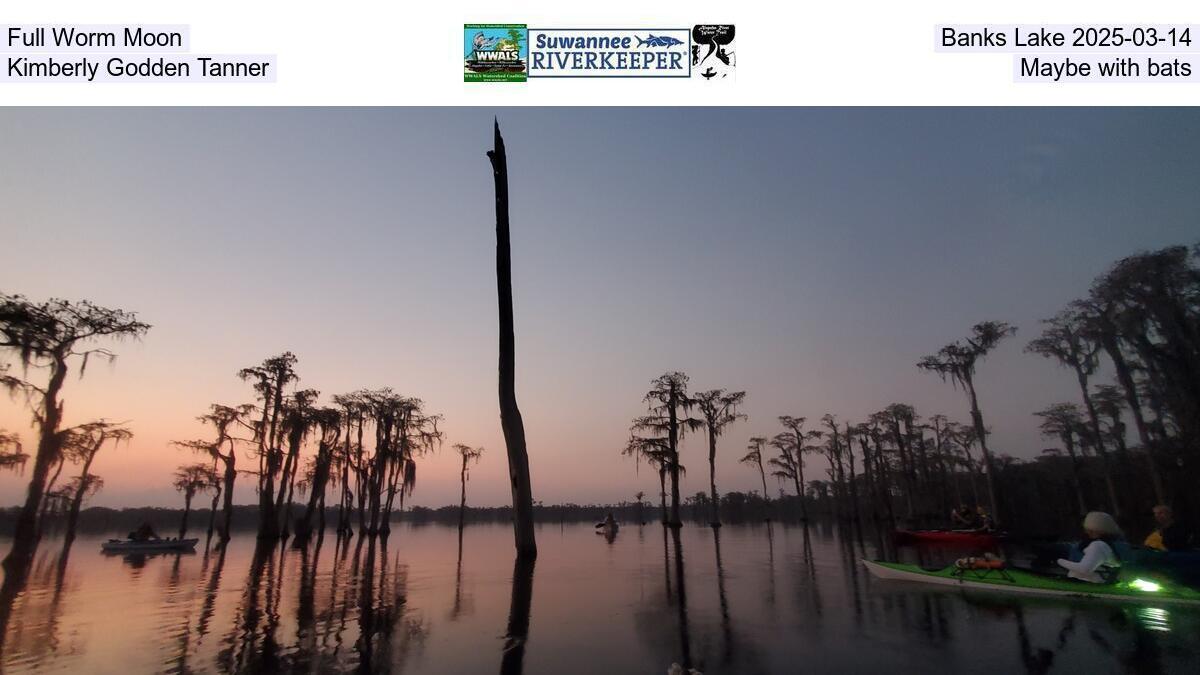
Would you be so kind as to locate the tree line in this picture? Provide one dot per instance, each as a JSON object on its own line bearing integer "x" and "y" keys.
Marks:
{"x": 361, "y": 448}
{"x": 1139, "y": 322}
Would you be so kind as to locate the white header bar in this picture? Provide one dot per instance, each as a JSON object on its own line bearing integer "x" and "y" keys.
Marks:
{"x": 366, "y": 52}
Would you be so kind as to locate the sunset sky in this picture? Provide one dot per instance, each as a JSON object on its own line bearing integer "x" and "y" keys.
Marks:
{"x": 809, "y": 257}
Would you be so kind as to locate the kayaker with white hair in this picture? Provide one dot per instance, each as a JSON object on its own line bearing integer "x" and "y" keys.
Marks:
{"x": 1099, "y": 564}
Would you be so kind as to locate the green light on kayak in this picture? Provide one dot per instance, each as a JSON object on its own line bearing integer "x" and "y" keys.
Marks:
{"x": 1147, "y": 586}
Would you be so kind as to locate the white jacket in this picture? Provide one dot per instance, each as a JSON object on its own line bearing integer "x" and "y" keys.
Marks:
{"x": 1096, "y": 555}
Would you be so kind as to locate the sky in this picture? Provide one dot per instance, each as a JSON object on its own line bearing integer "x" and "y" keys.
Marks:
{"x": 807, "y": 256}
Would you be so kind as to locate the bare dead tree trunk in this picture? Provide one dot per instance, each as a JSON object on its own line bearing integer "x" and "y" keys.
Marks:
{"x": 510, "y": 414}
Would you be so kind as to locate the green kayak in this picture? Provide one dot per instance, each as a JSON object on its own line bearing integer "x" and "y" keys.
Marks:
{"x": 1140, "y": 588}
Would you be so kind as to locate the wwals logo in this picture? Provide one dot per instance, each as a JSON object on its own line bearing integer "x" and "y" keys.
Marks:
{"x": 494, "y": 52}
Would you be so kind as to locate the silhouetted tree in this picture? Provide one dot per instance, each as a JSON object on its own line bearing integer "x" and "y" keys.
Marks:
{"x": 349, "y": 461}
{"x": 656, "y": 453}
{"x": 718, "y": 409}
{"x": 1145, "y": 314}
{"x": 754, "y": 457}
{"x": 1110, "y": 404}
{"x": 899, "y": 419}
{"x": 49, "y": 336}
{"x": 1063, "y": 340}
{"x": 328, "y": 421}
{"x": 669, "y": 403}
{"x": 402, "y": 431}
{"x": 956, "y": 362}
{"x": 81, "y": 445}
{"x": 510, "y": 414}
{"x": 468, "y": 455}
{"x": 298, "y": 418}
{"x": 835, "y": 449}
{"x": 12, "y": 457}
{"x": 269, "y": 380}
{"x": 191, "y": 479}
{"x": 793, "y": 445}
{"x": 1063, "y": 421}
{"x": 941, "y": 444}
{"x": 223, "y": 420}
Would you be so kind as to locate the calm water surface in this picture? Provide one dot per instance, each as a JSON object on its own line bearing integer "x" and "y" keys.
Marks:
{"x": 755, "y": 599}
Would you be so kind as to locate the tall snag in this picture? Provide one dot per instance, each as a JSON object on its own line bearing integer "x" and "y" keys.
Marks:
{"x": 510, "y": 414}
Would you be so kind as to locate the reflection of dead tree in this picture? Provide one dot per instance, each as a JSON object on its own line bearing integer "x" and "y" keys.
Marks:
{"x": 517, "y": 634}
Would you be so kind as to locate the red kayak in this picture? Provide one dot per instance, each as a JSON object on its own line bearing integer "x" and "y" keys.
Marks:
{"x": 947, "y": 537}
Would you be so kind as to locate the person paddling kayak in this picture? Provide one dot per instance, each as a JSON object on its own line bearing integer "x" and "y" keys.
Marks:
{"x": 1100, "y": 563}
{"x": 1169, "y": 535}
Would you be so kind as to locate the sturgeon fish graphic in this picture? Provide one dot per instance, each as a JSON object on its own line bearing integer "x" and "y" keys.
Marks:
{"x": 658, "y": 41}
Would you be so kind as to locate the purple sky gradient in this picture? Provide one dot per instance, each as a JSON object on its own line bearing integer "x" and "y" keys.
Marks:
{"x": 808, "y": 256}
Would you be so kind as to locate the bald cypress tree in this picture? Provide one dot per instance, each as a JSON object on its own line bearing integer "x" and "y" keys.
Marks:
{"x": 50, "y": 337}
{"x": 956, "y": 362}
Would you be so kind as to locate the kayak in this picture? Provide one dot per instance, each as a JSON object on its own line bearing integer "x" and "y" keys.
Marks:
{"x": 1137, "y": 589}
{"x": 947, "y": 537}
{"x": 1151, "y": 558}
{"x": 130, "y": 546}
{"x": 607, "y": 530}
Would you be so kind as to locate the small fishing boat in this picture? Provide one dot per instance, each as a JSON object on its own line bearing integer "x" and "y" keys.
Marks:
{"x": 607, "y": 529}
{"x": 147, "y": 546}
{"x": 966, "y": 537}
{"x": 1137, "y": 589}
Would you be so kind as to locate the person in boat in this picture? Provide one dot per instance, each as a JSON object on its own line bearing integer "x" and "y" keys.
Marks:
{"x": 1099, "y": 564}
{"x": 610, "y": 523}
{"x": 962, "y": 518}
{"x": 145, "y": 532}
{"x": 1169, "y": 534}
{"x": 983, "y": 520}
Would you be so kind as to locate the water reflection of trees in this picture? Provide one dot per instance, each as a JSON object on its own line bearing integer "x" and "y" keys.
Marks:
{"x": 512, "y": 661}
{"x": 343, "y": 604}
{"x": 462, "y": 604}
{"x": 694, "y": 622}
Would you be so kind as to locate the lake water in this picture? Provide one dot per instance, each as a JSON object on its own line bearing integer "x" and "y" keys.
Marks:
{"x": 756, "y": 599}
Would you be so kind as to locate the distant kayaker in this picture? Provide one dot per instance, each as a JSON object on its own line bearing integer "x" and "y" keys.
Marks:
{"x": 1169, "y": 535}
{"x": 1099, "y": 563}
